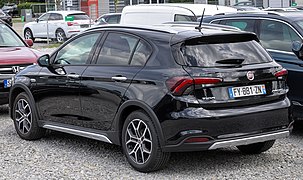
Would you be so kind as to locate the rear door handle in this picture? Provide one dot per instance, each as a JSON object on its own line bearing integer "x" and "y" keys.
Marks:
{"x": 119, "y": 78}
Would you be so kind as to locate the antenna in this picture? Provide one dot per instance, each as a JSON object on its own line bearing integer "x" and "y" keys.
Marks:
{"x": 200, "y": 25}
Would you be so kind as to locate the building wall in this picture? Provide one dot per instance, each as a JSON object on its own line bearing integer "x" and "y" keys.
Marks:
{"x": 299, "y": 2}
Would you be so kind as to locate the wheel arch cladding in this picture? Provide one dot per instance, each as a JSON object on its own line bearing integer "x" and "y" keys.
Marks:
{"x": 130, "y": 106}
{"x": 17, "y": 89}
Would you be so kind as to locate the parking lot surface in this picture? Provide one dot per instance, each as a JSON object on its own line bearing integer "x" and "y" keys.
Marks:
{"x": 62, "y": 156}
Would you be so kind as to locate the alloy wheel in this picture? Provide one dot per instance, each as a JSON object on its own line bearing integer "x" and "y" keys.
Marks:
{"x": 28, "y": 34}
{"x": 138, "y": 141}
{"x": 60, "y": 36}
{"x": 23, "y": 116}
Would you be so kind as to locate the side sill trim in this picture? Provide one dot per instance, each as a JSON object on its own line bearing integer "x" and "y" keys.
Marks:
{"x": 250, "y": 140}
{"x": 90, "y": 135}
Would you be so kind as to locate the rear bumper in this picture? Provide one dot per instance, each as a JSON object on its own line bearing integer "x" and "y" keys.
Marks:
{"x": 230, "y": 127}
{"x": 250, "y": 140}
{"x": 215, "y": 144}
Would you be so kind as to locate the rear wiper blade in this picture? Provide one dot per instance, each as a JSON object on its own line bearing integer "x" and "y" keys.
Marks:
{"x": 230, "y": 61}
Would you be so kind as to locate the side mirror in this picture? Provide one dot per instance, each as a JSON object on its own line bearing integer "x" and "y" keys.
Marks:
{"x": 297, "y": 48}
{"x": 29, "y": 42}
{"x": 37, "y": 20}
{"x": 44, "y": 61}
{"x": 102, "y": 21}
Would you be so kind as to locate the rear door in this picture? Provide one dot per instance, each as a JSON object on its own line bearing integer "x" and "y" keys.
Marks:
{"x": 104, "y": 83}
{"x": 55, "y": 21}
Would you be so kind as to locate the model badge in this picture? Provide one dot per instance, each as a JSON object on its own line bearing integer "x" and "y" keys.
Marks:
{"x": 250, "y": 75}
{"x": 16, "y": 69}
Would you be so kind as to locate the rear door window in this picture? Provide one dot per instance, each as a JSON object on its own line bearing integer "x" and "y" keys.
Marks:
{"x": 180, "y": 17}
{"x": 117, "y": 49}
{"x": 210, "y": 54}
{"x": 113, "y": 19}
{"x": 277, "y": 35}
{"x": 243, "y": 24}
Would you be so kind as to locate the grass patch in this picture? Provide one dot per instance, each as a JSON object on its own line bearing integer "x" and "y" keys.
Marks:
{"x": 55, "y": 45}
{"x": 17, "y": 20}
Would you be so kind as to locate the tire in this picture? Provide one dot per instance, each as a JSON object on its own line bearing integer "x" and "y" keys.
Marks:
{"x": 25, "y": 118}
{"x": 148, "y": 156}
{"x": 60, "y": 36}
{"x": 256, "y": 148}
{"x": 28, "y": 34}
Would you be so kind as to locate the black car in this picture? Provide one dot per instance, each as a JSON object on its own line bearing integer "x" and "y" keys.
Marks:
{"x": 6, "y": 18}
{"x": 277, "y": 33}
{"x": 156, "y": 90}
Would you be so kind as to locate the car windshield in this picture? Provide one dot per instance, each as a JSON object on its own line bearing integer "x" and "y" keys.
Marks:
{"x": 79, "y": 16}
{"x": 8, "y": 38}
{"x": 220, "y": 54}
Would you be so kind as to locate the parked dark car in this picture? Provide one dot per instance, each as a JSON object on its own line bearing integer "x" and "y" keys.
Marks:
{"x": 156, "y": 90}
{"x": 245, "y": 3}
{"x": 10, "y": 9}
{"x": 15, "y": 55}
{"x": 6, "y": 18}
{"x": 110, "y": 18}
{"x": 277, "y": 32}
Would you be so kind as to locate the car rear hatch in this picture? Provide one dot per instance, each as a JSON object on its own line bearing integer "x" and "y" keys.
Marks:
{"x": 78, "y": 21}
{"x": 227, "y": 71}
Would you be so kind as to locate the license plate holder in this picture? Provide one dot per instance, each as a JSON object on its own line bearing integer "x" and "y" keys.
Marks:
{"x": 246, "y": 91}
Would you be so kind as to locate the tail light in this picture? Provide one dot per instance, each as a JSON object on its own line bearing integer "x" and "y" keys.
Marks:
{"x": 178, "y": 85}
{"x": 71, "y": 23}
{"x": 282, "y": 72}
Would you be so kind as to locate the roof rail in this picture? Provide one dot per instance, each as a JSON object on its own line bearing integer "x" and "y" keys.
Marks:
{"x": 252, "y": 12}
{"x": 135, "y": 26}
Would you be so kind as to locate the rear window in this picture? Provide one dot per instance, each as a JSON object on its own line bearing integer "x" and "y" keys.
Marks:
{"x": 79, "y": 16}
{"x": 213, "y": 54}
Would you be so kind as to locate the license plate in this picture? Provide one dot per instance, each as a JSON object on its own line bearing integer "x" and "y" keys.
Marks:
{"x": 244, "y": 91}
{"x": 7, "y": 83}
{"x": 84, "y": 26}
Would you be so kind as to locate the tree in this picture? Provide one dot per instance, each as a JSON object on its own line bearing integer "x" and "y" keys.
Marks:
{"x": 116, "y": 2}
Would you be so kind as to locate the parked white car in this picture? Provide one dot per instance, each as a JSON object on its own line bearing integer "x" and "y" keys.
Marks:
{"x": 151, "y": 14}
{"x": 57, "y": 25}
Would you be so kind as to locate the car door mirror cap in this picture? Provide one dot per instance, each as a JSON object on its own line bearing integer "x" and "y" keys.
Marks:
{"x": 297, "y": 48}
{"x": 44, "y": 60}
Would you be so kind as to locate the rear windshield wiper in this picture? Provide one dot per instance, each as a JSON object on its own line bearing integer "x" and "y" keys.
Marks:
{"x": 230, "y": 61}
